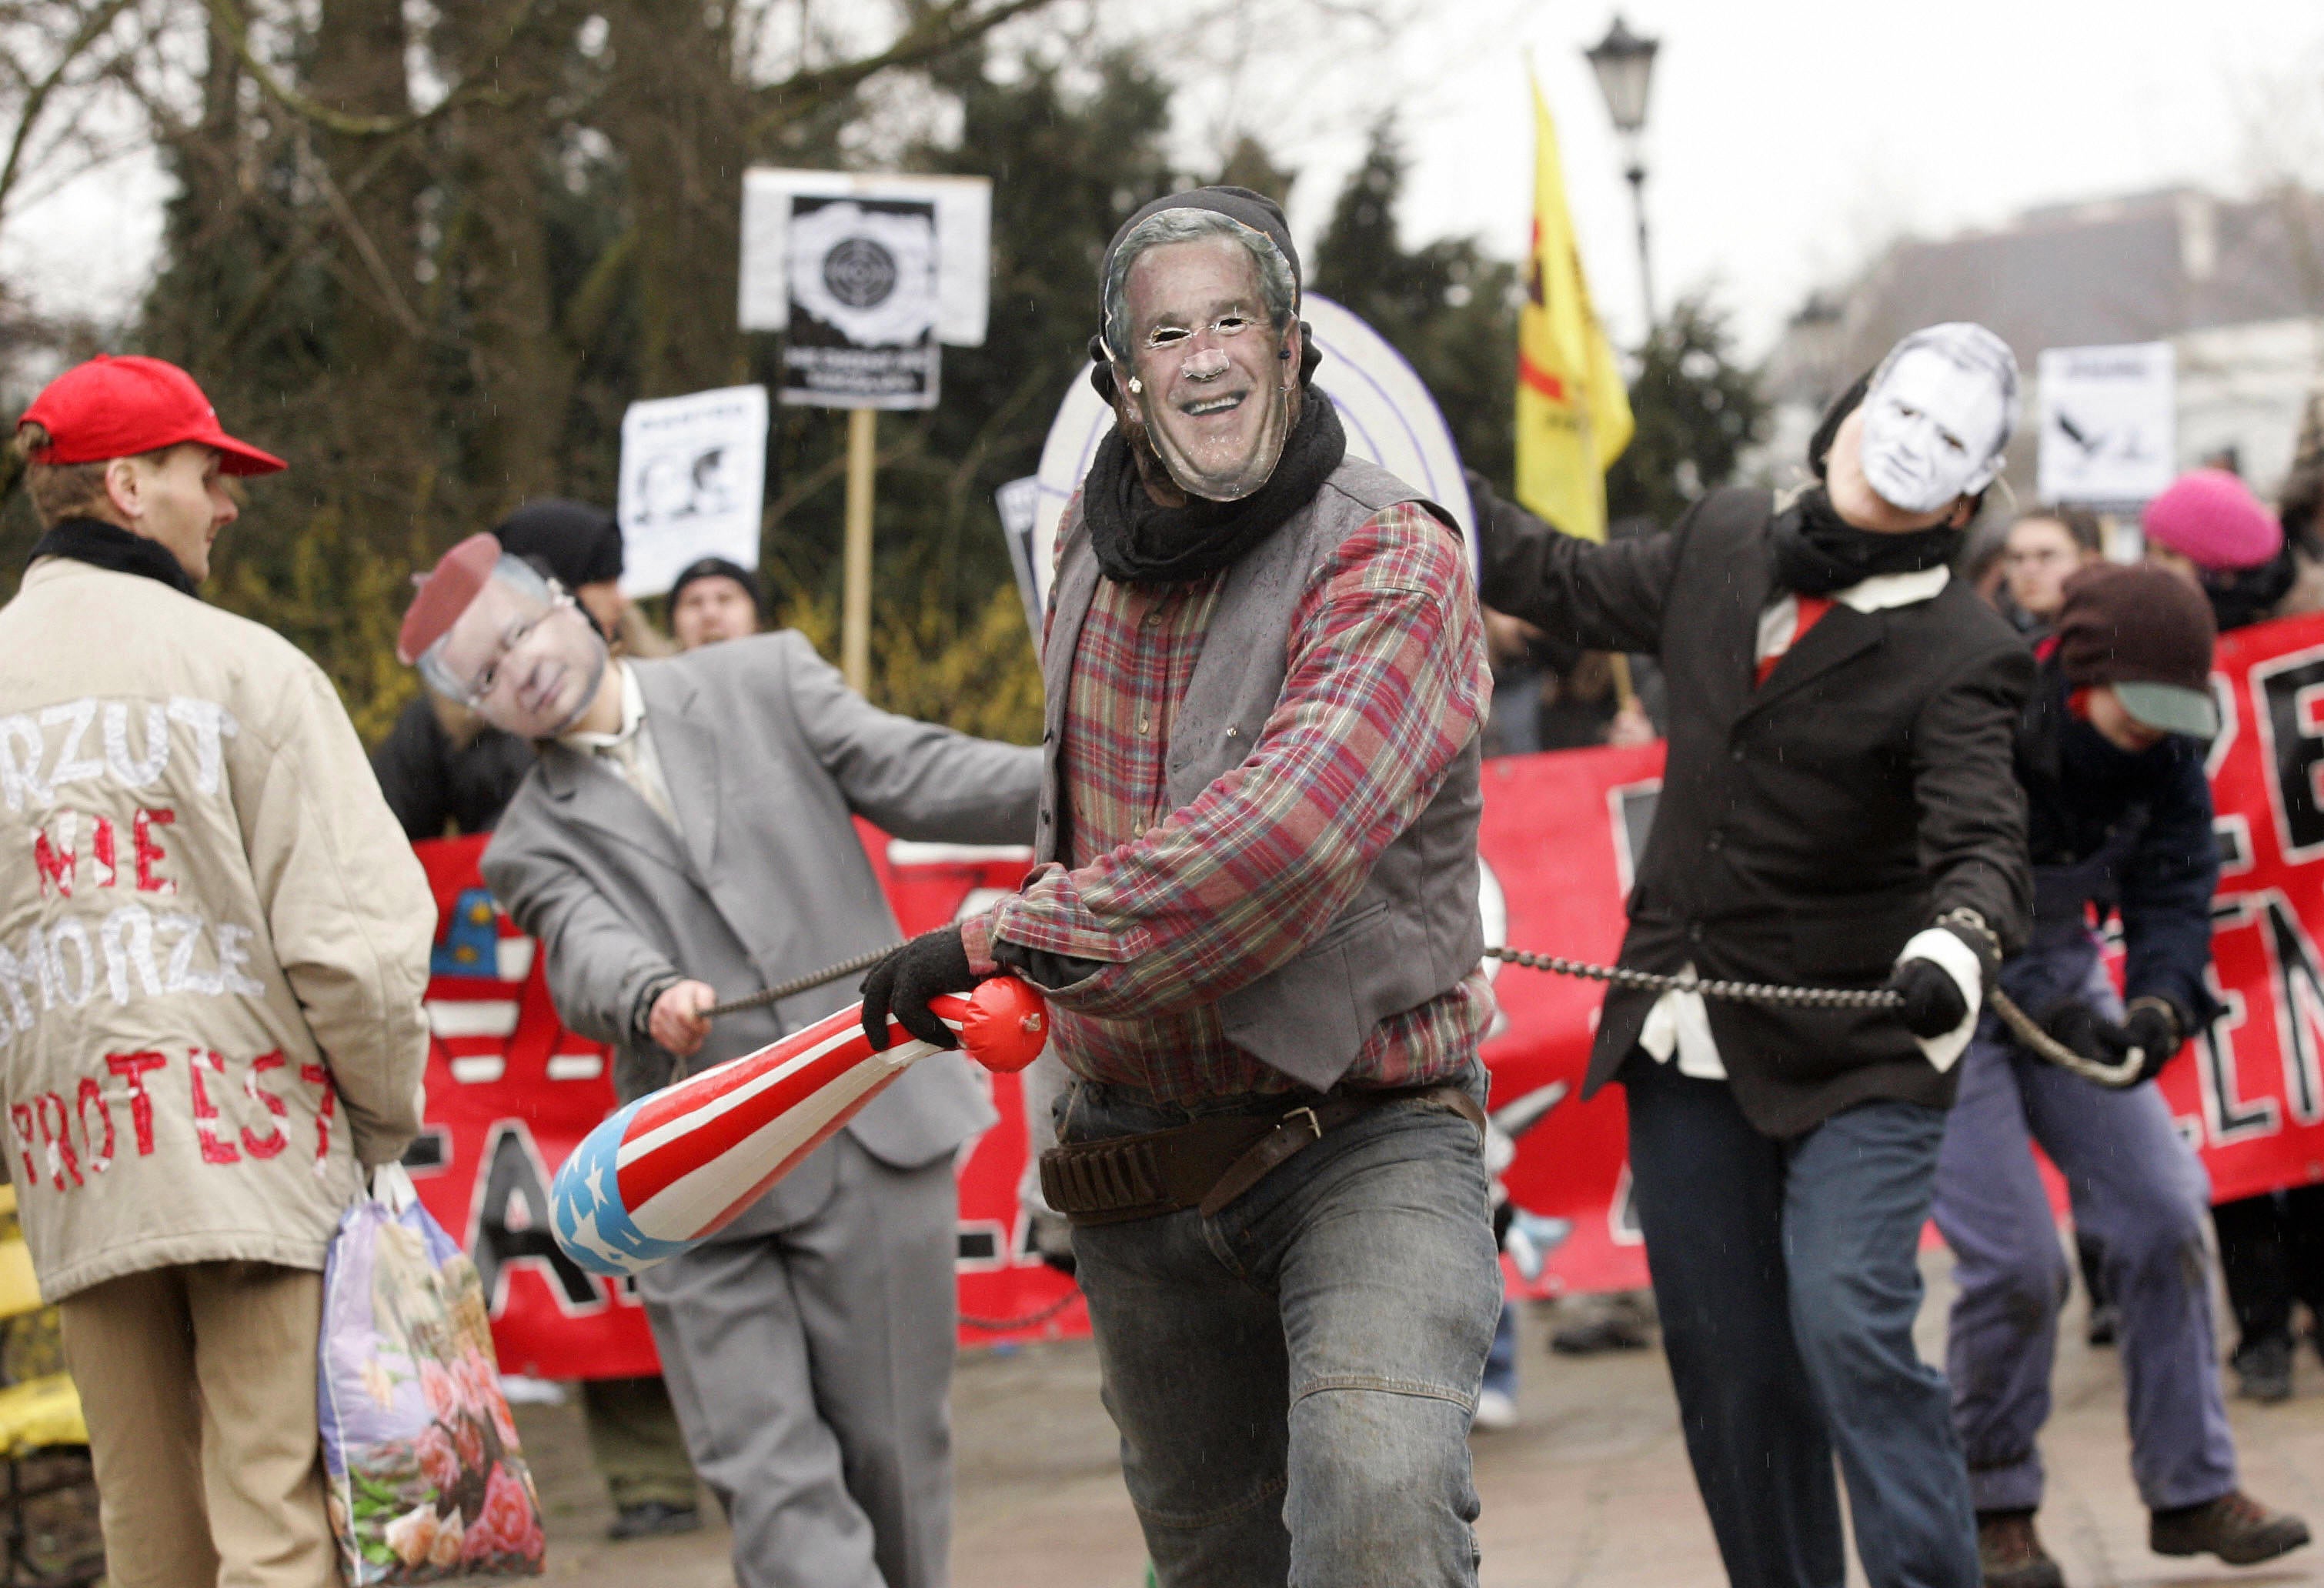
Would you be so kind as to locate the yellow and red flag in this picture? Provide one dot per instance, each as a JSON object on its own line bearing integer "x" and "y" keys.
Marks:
{"x": 1573, "y": 413}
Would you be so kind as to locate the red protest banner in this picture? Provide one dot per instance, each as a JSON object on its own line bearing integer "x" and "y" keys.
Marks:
{"x": 510, "y": 1092}
{"x": 2251, "y": 1094}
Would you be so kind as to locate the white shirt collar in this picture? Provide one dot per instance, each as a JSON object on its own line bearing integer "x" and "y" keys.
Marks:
{"x": 633, "y": 713}
{"x": 1883, "y": 591}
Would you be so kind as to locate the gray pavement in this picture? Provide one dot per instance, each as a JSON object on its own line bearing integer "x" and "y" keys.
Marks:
{"x": 1590, "y": 1491}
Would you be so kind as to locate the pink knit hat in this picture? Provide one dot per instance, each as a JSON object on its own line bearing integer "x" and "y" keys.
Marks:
{"x": 2210, "y": 518}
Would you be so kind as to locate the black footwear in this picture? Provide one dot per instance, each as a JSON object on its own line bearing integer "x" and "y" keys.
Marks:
{"x": 653, "y": 1519}
{"x": 2105, "y": 1323}
{"x": 2009, "y": 1553}
{"x": 2234, "y": 1526}
{"x": 1624, "y": 1321}
{"x": 2264, "y": 1370}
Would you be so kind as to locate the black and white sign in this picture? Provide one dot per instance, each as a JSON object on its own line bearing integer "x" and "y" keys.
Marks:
{"x": 693, "y": 481}
{"x": 964, "y": 236}
{"x": 862, "y": 274}
{"x": 1019, "y": 503}
{"x": 2109, "y": 423}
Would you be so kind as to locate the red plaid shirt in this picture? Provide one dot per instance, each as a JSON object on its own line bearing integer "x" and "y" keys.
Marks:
{"x": 1387, "y": 684}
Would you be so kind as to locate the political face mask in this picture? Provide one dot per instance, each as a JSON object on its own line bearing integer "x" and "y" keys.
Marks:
{"x": 1937, "y": 416}
{"x": 1211, "y": 378}
{"x": 522, "y": 655}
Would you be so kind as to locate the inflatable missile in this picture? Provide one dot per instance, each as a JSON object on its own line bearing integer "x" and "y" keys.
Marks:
{"x": 673, "y": 1167}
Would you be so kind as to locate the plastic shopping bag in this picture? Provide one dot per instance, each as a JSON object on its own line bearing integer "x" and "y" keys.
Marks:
{"x": 427, "y": 1480}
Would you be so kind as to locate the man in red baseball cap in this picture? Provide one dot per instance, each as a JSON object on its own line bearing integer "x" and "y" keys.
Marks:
{"x": 128, "y": 449}
{"x": 238, "y": 1034}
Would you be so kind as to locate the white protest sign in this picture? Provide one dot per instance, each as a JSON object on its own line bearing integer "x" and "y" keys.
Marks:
{"x": 2109, "y": 419}
{"x": 963, "y": 206}
{"x": 693, "y": 482}
{"x": 1388, "y": 415}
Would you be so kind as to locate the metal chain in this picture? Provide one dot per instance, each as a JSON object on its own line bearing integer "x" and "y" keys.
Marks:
{"x": 1001, "y": 1326}
{"x": 2114, "y": 1077}
{"x": 802, "y": 984}
{"x": 1738, "y": 992}
{"x": 2040, "y": 1042}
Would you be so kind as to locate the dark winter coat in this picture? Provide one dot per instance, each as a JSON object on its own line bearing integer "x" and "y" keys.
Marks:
{"x": 2122, "y": 831}
{"x": 1808, "y": 827}
{"x": 432, "y": 778}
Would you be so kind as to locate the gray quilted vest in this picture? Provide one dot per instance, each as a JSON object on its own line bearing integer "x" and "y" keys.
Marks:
{"x": 1412, "y": 933}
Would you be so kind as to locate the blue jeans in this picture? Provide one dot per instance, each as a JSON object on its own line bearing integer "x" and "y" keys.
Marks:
{"x": 1786, "y": 1277}
{"x": 1293, "y": 1379}
{"x": 1501, "y": 1360}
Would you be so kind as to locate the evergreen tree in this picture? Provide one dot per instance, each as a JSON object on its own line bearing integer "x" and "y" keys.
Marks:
{"x": 1697, "y": 411}
{"x": 1448, "y": 307}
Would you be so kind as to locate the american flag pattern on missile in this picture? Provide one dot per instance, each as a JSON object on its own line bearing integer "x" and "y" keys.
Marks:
{"x": 666, "y": 1172}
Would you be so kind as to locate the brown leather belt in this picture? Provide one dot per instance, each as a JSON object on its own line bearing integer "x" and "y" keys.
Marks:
{"x": 1207, "y": 1164}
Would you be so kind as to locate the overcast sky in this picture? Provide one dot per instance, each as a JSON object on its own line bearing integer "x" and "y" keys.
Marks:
{"x": 1785, "y": 139}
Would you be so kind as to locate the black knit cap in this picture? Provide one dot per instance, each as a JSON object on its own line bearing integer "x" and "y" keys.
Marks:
{"x": 719, "y": 568}
{"x": 1240, "y": 204}
{"x": 2148, "y": 633}
{"x": 578, "y": 543}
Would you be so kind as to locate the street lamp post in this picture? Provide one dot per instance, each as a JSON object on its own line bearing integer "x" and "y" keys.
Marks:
{"x": 1625, "y": 64}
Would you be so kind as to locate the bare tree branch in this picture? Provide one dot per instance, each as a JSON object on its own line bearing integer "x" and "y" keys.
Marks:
{"x": 233, "y": 24}
{"x": 37, "y": 97}
{"x": 937, "y": 32}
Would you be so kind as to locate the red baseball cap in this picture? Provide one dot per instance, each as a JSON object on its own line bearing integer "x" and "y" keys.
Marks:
{"x": 117, "y": 408}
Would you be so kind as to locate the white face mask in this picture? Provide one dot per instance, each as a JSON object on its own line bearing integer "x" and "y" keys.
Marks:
{"x": 1936, "y": 419}
{"x": 1210, "y": 380}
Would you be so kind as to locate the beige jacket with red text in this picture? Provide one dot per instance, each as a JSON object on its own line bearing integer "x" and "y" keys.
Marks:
{"x": 213, "y": 939}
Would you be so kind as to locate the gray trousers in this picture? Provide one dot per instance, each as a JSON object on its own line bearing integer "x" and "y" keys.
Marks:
{"x": 2141, "y": 1190}
{"x": 811, "y": 1367}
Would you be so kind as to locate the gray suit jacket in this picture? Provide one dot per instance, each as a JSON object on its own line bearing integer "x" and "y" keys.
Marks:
{"x": 767, "y": 753}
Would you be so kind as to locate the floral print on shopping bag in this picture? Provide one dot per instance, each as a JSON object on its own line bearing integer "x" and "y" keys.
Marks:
{"x": 427, "y": 1481}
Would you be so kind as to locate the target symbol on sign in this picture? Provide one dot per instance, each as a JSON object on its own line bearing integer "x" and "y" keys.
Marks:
{"x": 860, "y": 272}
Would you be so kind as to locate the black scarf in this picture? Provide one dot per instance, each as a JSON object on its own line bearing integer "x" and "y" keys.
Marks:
{"x": 108, "y": 545}
{"x": 1817, "y": 551}
{"x": 1138, "y": 541}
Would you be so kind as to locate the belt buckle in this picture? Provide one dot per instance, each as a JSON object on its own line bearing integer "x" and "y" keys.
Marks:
{"x": 1314, "y": 1125}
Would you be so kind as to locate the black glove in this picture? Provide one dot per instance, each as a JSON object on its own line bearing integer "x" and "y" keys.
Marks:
{"x": 2155, "y": 1027}
{"x": 902, "y": 984}
{"x": 1933, "y": 1004}
{"x": 2152, "y": 1026}
{"x": 2075, "y": 1025}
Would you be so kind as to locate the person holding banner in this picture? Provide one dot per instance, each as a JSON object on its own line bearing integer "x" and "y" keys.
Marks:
{"x": 687, "y": 836}
{"x": 2110, "y": 752}
{"x": 1255, "y": 915}
{"x": 1838, "y": 811}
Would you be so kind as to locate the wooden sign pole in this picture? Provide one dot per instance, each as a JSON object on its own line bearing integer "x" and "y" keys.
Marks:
{"x": 855, "y": 610}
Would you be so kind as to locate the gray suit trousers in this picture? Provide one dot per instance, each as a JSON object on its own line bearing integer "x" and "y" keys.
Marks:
{"x": 811, "y": 1368}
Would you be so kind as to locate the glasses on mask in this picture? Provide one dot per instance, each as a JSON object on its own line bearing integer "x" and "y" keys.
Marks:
{"x": 449, "y": 666}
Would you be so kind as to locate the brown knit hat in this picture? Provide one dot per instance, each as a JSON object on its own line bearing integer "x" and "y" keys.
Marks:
{"x": 2147, "y": 632}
